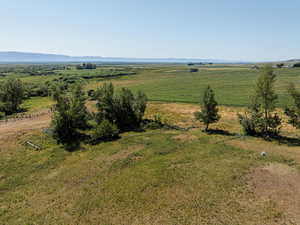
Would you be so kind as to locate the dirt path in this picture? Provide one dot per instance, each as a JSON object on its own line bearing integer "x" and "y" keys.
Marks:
{"x": 13, "y": 128}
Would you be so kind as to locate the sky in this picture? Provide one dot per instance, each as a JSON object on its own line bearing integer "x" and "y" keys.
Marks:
{"x": 212, "y": 29}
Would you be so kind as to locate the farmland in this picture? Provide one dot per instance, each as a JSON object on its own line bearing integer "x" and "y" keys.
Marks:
{"x": 162, "y": 176}
{"x": 234, "y": 84}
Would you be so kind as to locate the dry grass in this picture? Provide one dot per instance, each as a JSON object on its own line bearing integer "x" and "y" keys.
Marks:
{"x": 281, "y": 184}
{"x": 185, "y": 137}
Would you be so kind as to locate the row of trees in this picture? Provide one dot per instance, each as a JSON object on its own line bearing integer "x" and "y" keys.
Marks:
{"x": 86, "y": 66}
{"x": 261, "y": 118}
{"x": 13, "y": 92}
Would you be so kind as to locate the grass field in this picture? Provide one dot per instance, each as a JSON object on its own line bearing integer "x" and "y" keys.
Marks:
{"x": 233, "y": 86}
{"x": 156, "y": 176}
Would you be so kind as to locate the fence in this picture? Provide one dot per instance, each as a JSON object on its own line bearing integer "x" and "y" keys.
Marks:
{"x": 25, "y": 116}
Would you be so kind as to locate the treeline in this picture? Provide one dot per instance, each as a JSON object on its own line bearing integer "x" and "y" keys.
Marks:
{"x": 32, "y": 70}
{"x": 86, "y": 66}
{"x": 13, "y": 92}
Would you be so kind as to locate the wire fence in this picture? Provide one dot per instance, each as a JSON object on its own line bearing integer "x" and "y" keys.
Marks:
{"x": 25, "y": 116}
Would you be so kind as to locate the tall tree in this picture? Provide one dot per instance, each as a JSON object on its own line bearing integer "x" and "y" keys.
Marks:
{"x": 265, "y": 100}
{"x": 261, "y": 118}
{"x": 78, "y": 108}
{"x": 69, "y": 118}
{"x": 209, "y": 111}
{"x": 11, "y": 95}
{"x": 293, "y": 112}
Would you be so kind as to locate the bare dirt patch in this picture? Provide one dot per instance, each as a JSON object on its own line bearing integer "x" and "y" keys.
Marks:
{"x": 13, "y": 128}
{"x": 281, "y": 184}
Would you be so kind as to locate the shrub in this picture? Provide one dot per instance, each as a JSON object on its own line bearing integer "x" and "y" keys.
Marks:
{"x": 155, "y": 123}
{"x": 194, "y": 70}
{"x": 105, "y": 131}
{"x": 247, "y": 124}
{"x": 2, "y": 115}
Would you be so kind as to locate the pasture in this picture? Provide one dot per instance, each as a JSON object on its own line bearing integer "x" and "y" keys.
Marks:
{"x": 163, "y": 176}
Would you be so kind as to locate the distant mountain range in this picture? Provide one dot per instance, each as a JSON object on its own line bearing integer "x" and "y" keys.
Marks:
{"x": 27, "y": 57}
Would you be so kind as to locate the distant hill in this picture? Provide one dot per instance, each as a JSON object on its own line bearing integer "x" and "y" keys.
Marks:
{"x": 27, "y": 57}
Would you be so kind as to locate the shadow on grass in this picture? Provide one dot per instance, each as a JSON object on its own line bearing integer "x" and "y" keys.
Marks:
{"x": 220, "y": 132}
{"x": 289, "y": 141}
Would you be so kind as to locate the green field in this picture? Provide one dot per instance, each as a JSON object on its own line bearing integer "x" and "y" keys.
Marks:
{"x": 233, "y": 86}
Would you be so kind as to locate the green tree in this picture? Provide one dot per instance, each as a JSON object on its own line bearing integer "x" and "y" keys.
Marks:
{"x": 78, "y": 108}
{"x": 280, "y": 65}
{"x": 261, "y": 114}
{"x": 105, "y": 103}
{"x": 11, "y": 95}
{"x": 294, "y": 112}
{"x": 69, "y": 118}
{"x": 209, "y": 111}
{"x": 265, "y": 100}
{"x": 126, "y": 110}
{"x": 105, "y": 131}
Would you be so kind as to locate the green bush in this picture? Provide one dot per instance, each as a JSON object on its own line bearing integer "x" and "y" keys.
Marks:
{"x": 155, "y": 123}
{"x": 2, "y": 115}
{"x": 11, "y": 95}
{"x": 247, "y": 124}
{"x": 105, "y": 131}
{"x": 126, "y": 110}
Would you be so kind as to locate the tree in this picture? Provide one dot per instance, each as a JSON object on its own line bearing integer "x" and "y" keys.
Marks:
{"x": 105, "y": 131}
{"x": 294, "y": 112}
{"x": 105, "y": 103}
{"x": 280, "y": 65}
{"x": 11, "y": 95}
{"x": 126, "y": 110}
{"x": 78, "y": 108}
{"x": 266, "y": 99}
{"x": 261, "y": 111}
{"x": 70, "y": 117}
{"x": 209, "y": 112}
{"x": 296, "y": 65}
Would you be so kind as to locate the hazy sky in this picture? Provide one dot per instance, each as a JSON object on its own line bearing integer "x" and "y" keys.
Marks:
{"x": 219, "y": 29}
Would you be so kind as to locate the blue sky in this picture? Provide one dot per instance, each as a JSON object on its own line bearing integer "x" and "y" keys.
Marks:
{"x": 219, "y": 29}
